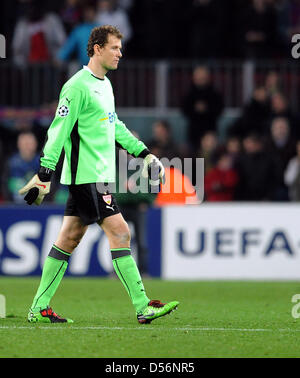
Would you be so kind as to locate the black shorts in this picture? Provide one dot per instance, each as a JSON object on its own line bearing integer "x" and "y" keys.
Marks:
{"x": 86, "y": 202}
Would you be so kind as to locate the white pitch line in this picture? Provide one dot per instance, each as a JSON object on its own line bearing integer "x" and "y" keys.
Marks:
{"x": 194, "y": 329}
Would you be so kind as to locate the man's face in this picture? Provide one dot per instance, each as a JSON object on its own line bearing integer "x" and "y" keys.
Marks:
{"x": 201, "y": 76}
{"x": 279, "y": 129}
{"x": 110, "y": 54}
{"x": 251, "y": 145}
{"x": 27, "y": 144}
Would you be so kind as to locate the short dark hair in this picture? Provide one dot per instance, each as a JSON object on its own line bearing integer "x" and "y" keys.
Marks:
{"x": 99, "y": 36}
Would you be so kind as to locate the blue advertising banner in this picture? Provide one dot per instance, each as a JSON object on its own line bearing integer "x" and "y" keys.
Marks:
{"x": 154, "y": 241}
{"x": 28, "y": 233}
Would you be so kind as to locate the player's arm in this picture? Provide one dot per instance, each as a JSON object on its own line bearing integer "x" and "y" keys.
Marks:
{"x": 69, "y": 107}
{"x": 137, "y": 148}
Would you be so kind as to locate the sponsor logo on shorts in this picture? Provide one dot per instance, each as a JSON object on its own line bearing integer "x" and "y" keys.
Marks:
{"x": 110, "y": 207}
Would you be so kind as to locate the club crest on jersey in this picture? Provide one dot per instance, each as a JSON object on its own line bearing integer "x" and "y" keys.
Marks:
{"x": 63, "y": 111}
{"x": 107, "y": 198}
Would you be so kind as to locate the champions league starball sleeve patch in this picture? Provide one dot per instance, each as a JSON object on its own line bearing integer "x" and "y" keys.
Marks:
{"x": 63, "y": 111}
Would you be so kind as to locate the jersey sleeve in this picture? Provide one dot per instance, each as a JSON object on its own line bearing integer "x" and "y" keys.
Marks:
{"x": 127, "y": 140}
{"x": 70, "y": 104}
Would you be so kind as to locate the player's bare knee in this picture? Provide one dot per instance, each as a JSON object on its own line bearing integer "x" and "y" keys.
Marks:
{"x": 74, "y": 238}
{"x": 121, "y": 236}
{"x": 70, "y": 240}
{"x": 125, "y": 236}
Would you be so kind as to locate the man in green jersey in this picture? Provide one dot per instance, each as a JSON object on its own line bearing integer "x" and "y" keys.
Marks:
{"x": 87, "y": 128}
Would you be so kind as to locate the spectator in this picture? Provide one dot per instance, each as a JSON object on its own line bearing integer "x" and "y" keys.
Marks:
{"x": 280, "y": 108}
{"x": 202, "y": 106}
{"x": 292, "y": 175}
{"x": 70, "y": 14}
{"x": 22, "y": 165}
{"x": 272, "y": 83}
{"x": 26, "y": 121}
{"x": 220, "y": 182}
{"x": 16, "y": 121}
{"x": 282, "y": 148}
{"x": 258, "y": 30}
{"x": 233, "y": 149}
{"x": 109, "y": 13}
{"x": 207, "y": 149}
{"x": 281, "y": 142}
{"x": 257, "y": 172}
{"x": 255, "y": 115}
{"x": 37, "y": 36}
{"x": 78, "y": 39}
{"x": 205, "y": 23}
{"x": 163, "y": 140}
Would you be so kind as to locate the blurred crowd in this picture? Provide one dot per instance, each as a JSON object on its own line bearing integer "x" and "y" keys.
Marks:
{"x": 258, "y": 160}
{"x": 259, "y": 157}
{"x": 58, "y": 30}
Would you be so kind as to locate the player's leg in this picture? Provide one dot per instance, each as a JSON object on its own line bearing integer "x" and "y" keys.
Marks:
{"x": 118, "y": 234}
{"x": 55, "y": 265}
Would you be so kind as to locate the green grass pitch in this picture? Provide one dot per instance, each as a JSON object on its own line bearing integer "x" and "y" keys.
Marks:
{"x": 214, "y": 319}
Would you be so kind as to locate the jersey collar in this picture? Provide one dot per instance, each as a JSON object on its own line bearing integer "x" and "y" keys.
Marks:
{"x": 91, "y": 72}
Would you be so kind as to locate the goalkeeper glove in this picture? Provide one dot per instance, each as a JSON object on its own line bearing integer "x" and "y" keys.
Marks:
{"x": 37, "y": 187}
{"x": 154, "y": 169}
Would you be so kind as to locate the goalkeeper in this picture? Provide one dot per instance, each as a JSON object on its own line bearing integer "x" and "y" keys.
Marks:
{"x": 87, "y": 127}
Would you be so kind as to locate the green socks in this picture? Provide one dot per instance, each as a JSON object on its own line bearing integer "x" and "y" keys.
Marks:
{"x": 56, "y": 264}
{"x": 127, "y": 271}
{"x": 53, "y": 271}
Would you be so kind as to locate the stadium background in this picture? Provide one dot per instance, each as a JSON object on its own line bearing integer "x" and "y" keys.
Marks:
{"x": 200, "y": 78}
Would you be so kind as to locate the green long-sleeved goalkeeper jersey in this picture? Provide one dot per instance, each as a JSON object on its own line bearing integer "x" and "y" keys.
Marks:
{"x": 87, "y": 127}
